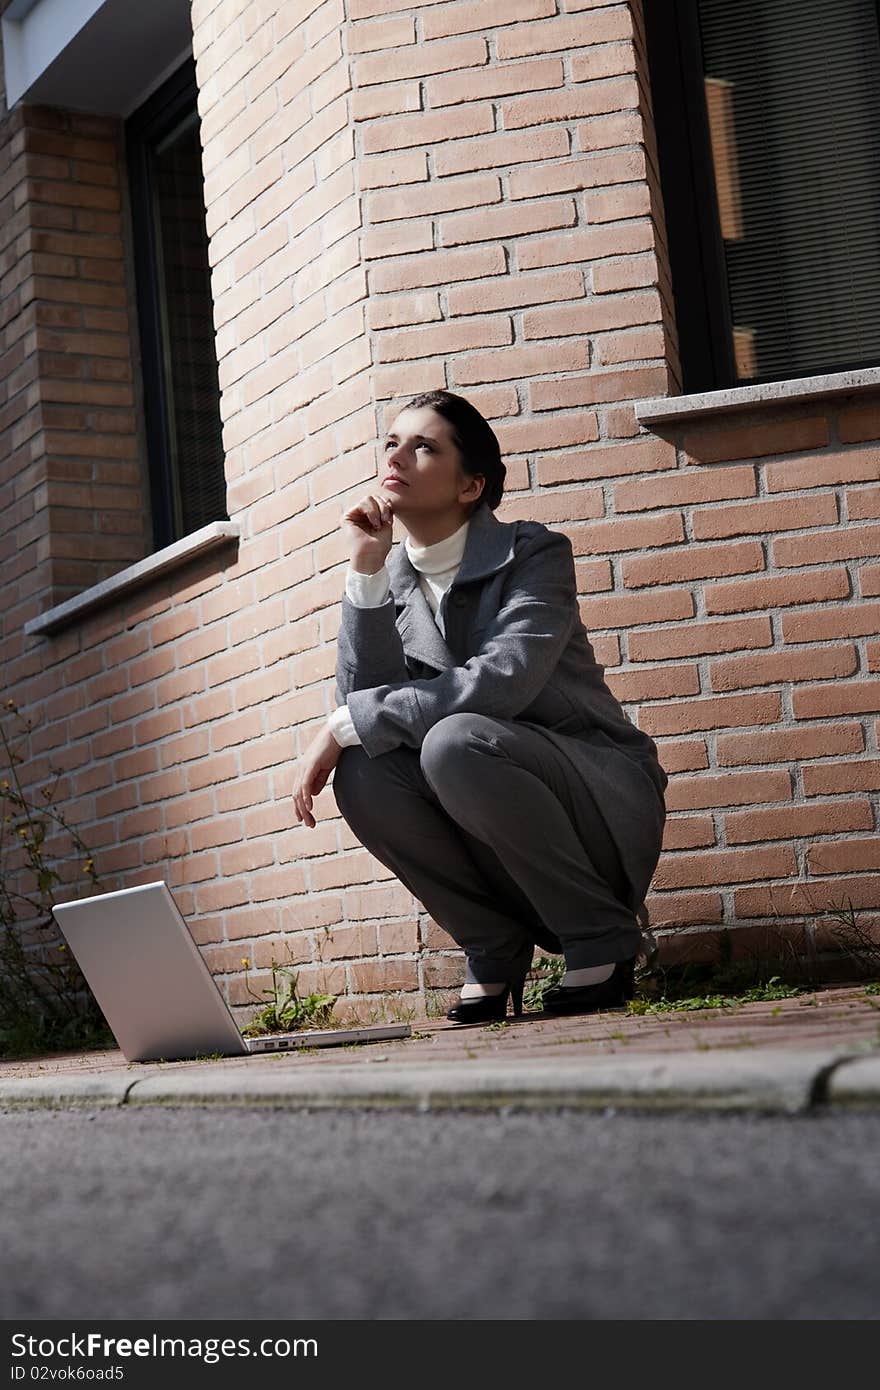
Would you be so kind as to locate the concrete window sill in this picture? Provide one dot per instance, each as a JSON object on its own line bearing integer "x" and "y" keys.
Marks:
{"x": 172, "y": 557}
{"x": 669, "y": 410}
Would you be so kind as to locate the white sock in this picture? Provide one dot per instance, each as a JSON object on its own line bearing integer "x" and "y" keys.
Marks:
{"x": 477, "y": 991}
{"x": 594, "y": 975}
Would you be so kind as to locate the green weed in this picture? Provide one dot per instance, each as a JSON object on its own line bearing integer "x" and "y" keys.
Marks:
{"x": 45, "y": 1003}
{"x": 285, "y": 1012}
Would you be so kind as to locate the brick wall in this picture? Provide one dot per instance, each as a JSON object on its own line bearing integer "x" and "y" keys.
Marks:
{"x": 72, "y": 484}
{"x": 771, "y": 717}
{"x": 406, "y": 196}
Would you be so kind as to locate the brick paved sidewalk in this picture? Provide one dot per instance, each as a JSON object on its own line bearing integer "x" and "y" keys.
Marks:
{"x": 838, "y": 1018}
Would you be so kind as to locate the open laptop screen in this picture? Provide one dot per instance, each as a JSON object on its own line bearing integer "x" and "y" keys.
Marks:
{"x": 148, "y": 976}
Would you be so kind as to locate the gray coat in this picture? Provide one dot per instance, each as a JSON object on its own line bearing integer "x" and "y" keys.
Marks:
{"x": 514, "y": 648}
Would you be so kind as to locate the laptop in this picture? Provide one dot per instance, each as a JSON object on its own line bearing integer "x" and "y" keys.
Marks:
{"x": 155, "y": 990}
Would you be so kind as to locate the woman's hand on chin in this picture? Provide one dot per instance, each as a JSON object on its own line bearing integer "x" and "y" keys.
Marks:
{"x": 311, "y": 773}
{"x": 368, "y": 530}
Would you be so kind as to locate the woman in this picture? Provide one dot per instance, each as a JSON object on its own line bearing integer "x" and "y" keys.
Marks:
{"x": 478, "y": 752}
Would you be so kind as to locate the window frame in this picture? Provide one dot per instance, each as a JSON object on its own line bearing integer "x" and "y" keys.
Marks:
{"x": 693, "y": 224}
{"x": 167, "y": 106}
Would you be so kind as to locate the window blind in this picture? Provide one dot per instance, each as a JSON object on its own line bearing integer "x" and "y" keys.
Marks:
{"x": 792, "y": 95}
{"x": 188, "y": 350}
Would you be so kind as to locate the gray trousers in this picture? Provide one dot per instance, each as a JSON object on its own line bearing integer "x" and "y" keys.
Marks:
{"x": 479, "y": 824}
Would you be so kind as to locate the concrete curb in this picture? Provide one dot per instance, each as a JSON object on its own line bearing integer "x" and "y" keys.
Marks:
{"x": 107, "y": 1089}
{"x": 856, "y": 1082}
{"x": 772, "y": 1081}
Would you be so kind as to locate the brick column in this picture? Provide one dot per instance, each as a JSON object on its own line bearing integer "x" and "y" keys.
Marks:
{"x": 67, "y": 430}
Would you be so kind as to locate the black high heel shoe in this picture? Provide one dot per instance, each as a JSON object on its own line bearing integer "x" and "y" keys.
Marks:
{"x": 488, "y": 1008}
{"x": 586, "y": 999}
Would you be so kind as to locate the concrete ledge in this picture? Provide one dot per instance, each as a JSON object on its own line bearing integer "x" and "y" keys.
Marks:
{"x": 771, "y": 1081}
{"x": 668, "y": 410}
{"x": 172, "y": 557}
{"x": 855, "y": 1082}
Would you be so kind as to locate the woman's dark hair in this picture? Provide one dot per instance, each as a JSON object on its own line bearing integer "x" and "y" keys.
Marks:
{"x": 473, "y": 437}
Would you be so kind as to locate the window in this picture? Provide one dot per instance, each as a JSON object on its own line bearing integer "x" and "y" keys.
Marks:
{"x": 181, "y": 389}
{"x": 768, "y": 130}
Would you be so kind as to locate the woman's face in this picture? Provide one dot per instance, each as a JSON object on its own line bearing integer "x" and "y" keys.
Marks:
{"x": 419, "y": 450}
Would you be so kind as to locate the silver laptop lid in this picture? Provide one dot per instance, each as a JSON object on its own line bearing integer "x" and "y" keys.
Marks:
{"x": 148, "y": 975}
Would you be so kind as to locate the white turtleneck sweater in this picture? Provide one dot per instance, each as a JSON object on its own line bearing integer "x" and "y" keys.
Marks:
{"x": 437, "y": 565}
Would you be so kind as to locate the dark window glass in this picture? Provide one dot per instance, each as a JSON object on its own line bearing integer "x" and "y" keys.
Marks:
{"x": 181, "y": 389}
{"x": 768, "y": 127}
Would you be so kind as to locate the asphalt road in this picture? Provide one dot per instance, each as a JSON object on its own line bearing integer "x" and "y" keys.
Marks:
{"x": 240, "y": 1214}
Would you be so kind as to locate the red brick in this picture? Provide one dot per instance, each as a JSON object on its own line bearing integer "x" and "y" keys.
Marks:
{"x": 719, "y": 442}
{"x": 589, "y": 99}
{"x": 595, "y": 388}
{"x": 817, "y": 895}
{"x": 386, "y": 171}
{"x": 625, "y": 274}
{"x": 418, "y": 60}
{"x": 859, "y": 422}
{"x": 496, "y": 80}
{"x": 383, "y": 33}
{"x": 628, "y": 533}
{"x": 408, "y": 379}
{"x": 838, "y": 620}
{"x": 630, "y": 610}
{"x": 822, "y": 470}
{"x": 392, "y": 100}
{"x": 788, "y": 745}
{"x": 844, "y": 543}
{"x": 618, "y": 128}
{"x": 557, "y": 432}
{"x": 636, "y": 345}
{"x": 380, "y": 976}
{"x": 687, "y": 833}
{"x": 395, "y": 311}
{"x": 609, "y": 60}
{"x": 685, "y": 487}
{"x": 490, "y": 151}
{"x": 509, "y": 364}
{"x": 796, "y": 822}
{"x": 618, "y": 203}
{"x": 728, "y": 789}
{"x": 366, "y": 9}
{"x": 710, "y": 867}
{"x": 771, "y": 668}
{"x": 437, "y": 268}
{"x": 396, "y": 239}
{"x": 446, "y": 338}
{"x": 683, "y": 754}
{"x": 427, "y": 128}
{"x": 694, "y": 562}
{"x": 465, "y": 16}
{"x": 753, "y": 518}
{"x": 826, "y": 779}
{"x": 711, "y": 712}
{"x": 869, "y": 580}
{"x": 684, "y": 909}
{"x": 469, "y": 192}
{"x": 592, "y": 316}
{"x": 582, "y": 171}
{"x": 514, "y": 291}
{"x": 853, "y": 697}
{"x": 605, "y": 461}
{"x": 699, "y": 638}
{"x": 564, "y": 34}
{"x": 776, "y": 591}
{"x": 864, "y": 503}
{"x": 492, "y": 224}
{"x": 637, "y": 684}
{"x": 844, "y": 856}
{"x": 587, "y": 246}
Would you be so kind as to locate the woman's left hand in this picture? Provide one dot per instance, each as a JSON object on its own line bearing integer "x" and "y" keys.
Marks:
{"x": 312, "y": 771}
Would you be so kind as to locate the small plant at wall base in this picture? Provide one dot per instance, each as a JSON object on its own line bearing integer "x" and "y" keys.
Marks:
{"x": 285, "y": 1012}
{"x": 45, "y": 1004}
{"x": 776, "y": 969}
